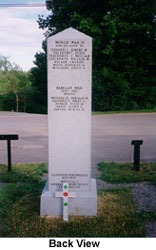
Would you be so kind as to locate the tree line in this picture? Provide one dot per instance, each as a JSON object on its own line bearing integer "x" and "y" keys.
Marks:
{"x": 124, "y": 51}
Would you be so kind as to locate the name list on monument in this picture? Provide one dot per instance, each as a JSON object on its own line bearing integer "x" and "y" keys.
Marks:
{"x": 69, "y": 55}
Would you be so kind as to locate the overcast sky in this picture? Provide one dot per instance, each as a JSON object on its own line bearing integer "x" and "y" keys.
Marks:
{"x": 20, "y": 36}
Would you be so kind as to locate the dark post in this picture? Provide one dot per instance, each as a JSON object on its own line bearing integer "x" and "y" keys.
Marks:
{"x": 9, "y": 155}
{"x": 8, "y": 138}
{"x": 137, "y": 144}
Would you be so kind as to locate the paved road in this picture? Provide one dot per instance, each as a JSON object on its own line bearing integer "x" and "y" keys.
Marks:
{"x": 111, "y": 137}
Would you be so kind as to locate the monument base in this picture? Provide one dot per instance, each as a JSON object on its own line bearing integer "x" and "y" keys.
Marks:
{"x": 83, "y": 204}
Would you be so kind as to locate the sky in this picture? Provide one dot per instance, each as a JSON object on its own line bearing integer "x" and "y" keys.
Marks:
{"x": 20, "y": 36}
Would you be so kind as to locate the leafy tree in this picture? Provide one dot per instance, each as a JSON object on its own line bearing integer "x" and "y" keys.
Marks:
{"x": 124, "y": 47}
{"x": 13, "y": 81}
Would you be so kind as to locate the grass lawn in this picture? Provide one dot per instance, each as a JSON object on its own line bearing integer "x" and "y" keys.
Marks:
{"x": 23, "y": 173}
{"x": 123, "y": 173}
{"x": 20, "y": 205}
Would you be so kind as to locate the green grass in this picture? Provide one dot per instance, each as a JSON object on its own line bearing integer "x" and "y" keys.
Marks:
{"x": 19, "y": 216}
{"x": 124, "y": 111}
{"x": 123, "y": 173}
{"x": 148, "y": 216}
{"x": 20, "y": 209}
{"x": 22, "y": 173}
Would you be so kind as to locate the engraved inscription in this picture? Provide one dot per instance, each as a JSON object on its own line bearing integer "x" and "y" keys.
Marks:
{"x": 69, "y": 98}
{"x": 72, "y": 179}
{"x": 68, "y": 55}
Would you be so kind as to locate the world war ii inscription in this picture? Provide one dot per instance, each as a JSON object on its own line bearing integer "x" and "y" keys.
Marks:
{"x": 69, "y": 55}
